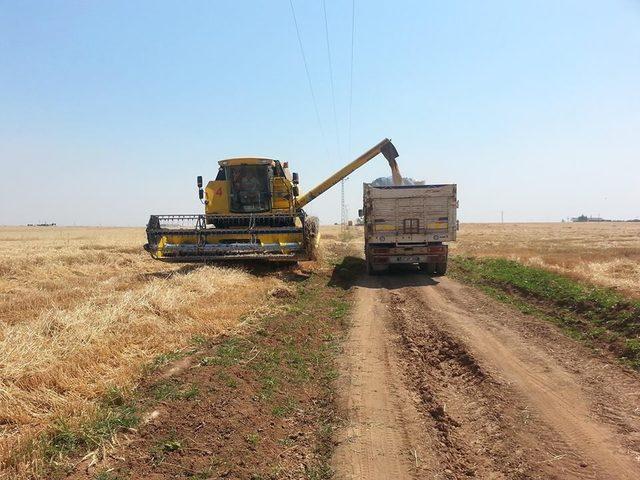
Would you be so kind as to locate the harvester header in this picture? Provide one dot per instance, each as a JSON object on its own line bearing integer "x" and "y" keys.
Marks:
{"x": 253, "y": 210}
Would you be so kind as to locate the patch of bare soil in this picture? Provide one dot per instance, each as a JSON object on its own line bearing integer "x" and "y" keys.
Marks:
{"x": 464, "y": 408}
{"x": 382, "y": 437}
{"x": 499, "y": 394}
{"x": 589, "y": 401}
{"x": 257, "y": 405}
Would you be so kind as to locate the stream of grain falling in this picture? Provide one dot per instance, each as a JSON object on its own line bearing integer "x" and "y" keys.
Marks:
{"x": 395, "y": 173}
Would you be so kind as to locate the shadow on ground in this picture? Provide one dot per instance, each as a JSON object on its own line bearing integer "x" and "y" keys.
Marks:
{"x": 288, "y": 271}
{"x": 352, "y": 271}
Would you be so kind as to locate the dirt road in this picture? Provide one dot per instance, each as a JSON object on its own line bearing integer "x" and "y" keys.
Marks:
{"x": 441, "y": 382}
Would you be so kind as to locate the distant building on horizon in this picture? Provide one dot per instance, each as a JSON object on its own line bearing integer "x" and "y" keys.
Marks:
{"x": 584, "y": 218}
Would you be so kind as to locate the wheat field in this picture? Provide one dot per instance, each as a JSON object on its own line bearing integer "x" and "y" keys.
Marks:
{"x": 606, "y": 254}
{"x": 84, "y": 309}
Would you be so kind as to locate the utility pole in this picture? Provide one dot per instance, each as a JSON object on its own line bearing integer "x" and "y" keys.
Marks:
{"x": 501, "y": 216}
{"x": 343, "y": 207}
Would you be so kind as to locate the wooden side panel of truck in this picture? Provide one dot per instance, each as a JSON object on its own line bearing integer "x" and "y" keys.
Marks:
{"x": 409, "y": 225}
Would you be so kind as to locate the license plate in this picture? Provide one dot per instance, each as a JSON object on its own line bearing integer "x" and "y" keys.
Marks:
{"x": 408, "y": 259}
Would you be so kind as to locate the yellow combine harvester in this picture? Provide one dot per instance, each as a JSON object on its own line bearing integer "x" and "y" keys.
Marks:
{"x": 253, "y": 210}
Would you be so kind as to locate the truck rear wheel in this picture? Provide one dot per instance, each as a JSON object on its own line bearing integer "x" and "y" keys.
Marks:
{"x": 376, "y": 269}
{"x": 441, "y": 268}
{"x": 428, "y": 268}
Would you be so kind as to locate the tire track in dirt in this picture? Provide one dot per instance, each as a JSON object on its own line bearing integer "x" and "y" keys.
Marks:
{"x": 465, "y": 409}
{"x": 558, "y": 397}
{"x": 486, "y": 392}
{"x": 613, "y": 390}
{"x": 382, "y": 438}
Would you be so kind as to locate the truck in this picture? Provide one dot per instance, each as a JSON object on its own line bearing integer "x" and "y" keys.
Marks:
{"x": 409, "y": 224}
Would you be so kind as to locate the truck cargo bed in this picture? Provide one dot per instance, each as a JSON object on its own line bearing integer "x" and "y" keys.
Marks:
{"x": 408, "y": 224}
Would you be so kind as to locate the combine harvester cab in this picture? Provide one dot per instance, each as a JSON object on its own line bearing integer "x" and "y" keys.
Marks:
{"x": 253, "y": 210}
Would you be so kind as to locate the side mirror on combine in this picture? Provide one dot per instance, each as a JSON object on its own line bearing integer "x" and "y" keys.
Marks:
{"x": 296, "y": 191}
{"x": 200, "y": 191}
{"x": 296, "y": 178}
{"x": 361, "y": 213}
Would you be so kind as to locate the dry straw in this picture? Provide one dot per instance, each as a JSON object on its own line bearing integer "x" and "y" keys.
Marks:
{"x": 606, "y": 254}
{"x": 84, "y": 309}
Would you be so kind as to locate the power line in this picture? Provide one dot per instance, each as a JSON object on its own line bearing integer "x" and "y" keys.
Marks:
{"x": 306, "y": 69}
{"x": 333, "y": 93}
{"x": 353, "y": 29}
{"x": 343, "y": 211}
{"x": 343, "y": 205}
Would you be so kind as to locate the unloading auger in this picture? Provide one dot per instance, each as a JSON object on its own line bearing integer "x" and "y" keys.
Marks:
{"x": 253, "y": 210}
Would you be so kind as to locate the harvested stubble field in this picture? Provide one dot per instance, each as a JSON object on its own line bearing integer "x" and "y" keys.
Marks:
{"x": 85, "y": 309}
{"x": 606, "y": 254}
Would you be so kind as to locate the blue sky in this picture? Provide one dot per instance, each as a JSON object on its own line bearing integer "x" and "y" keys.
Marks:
{"x": 109, "y": 110}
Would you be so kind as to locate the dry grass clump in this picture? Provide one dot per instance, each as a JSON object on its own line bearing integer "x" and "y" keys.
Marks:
{"x": 84, "y": 309}
{"x": 606, "y": 254}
